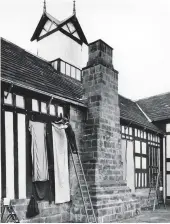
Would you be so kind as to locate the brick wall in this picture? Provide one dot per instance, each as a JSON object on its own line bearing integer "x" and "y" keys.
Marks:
{"x": 48, "y": 212}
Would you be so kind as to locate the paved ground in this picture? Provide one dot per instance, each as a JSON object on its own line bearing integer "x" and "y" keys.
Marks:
{"x": 158, "y": 216}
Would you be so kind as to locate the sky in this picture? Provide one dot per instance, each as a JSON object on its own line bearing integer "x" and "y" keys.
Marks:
{"x": 138, "y": 30}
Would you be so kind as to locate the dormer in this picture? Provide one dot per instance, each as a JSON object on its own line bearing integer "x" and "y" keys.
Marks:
{"x": 61, "y": 39}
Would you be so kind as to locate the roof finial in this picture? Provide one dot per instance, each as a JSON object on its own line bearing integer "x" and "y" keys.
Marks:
{"x": 44, "y": 8}
{"x": 74, "y": 7}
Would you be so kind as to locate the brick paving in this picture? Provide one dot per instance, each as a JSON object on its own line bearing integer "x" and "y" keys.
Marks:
{"x": 158, "y": 216}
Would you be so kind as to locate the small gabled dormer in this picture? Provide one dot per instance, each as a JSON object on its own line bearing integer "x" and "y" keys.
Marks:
{"x": 61, "y": 39}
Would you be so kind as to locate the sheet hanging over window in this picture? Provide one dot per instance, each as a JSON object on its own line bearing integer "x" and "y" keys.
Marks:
{"x": 62, "y": 188}
{"x": 39, "y": 151}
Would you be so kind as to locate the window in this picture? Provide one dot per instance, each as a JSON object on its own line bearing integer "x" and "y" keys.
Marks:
{"x": 63, "y": 67}
{"x": 55, "y": 64}
{"x": 73, "y": 72}
{"x": 78, "y": 74}
{"x": 52, "y": 109}
{"x": 60, "y": 111}
{"x": 8, "y": 100}
{"x": 35, "y": 106}
{"x": 153, "y": 161}
{"x": 68, "y": 69}
{"x": 168, "y": 128}
{"x": 43, "y": 107}
{"x": 130, "y": 131}
{"x": 20, "y": 101}
{"x": 144, "y": 135}
{"x": 141, "y": 164}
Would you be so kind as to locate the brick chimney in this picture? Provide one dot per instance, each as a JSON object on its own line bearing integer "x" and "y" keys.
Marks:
{"x": 112, "y": 199}
{"x": 102, "y": 132}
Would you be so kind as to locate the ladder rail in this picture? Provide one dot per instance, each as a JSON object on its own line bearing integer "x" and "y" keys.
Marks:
{"x": 87, "y": 188}
{"x": 156, "y": 189}
{"x": 79, "y": 186}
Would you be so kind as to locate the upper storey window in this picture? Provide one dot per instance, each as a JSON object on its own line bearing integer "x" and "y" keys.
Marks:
{"x": 67, "y": 69}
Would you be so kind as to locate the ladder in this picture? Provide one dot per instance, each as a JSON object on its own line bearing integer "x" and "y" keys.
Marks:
{"x": 90, "y": 215}
{"x": 156, "y": 186}
{"x": 11, "y": 216}
{"x": 158, "y": 195}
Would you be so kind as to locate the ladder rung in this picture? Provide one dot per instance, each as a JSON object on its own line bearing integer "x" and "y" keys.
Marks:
{"x": 88, "y": 207}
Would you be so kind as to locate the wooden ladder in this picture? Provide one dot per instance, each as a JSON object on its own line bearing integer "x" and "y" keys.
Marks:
{"x": 89, "y": 211}
{"x": 155, "y": 185}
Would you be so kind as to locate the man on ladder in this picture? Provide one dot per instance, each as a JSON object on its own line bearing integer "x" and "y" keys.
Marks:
{"x": 64, "y": 122}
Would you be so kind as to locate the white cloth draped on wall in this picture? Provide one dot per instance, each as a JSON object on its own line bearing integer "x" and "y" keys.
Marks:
{"x": 60, "y": 149}
{"x": 39, "y": 151}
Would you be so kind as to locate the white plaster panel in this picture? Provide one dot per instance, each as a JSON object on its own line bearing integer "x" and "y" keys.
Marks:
{"x": 168, "y": 146}
{"x": 22, "y": 156}
{"x": 168, "y": 185}
{"x": 143, "y": 148}
{"x": 130, "y": 166}
{"x": 124, "y": 158}
{"x": 9, "y": 143}
{"x": 58, "y": 45}
{"x": 137, "y": 162}
{"x": 8, "y": 100}
{"x": 137, "y": 146}
{"x": 167, "y": 127}
{"x": 168, "y": 166}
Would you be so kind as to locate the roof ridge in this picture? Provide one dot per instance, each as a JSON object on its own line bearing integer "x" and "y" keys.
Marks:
{"x": 161, "y": 94}
{"x": 145, "y": 114}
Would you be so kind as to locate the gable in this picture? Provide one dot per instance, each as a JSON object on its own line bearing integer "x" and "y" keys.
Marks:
{"x": 70, "y": 27}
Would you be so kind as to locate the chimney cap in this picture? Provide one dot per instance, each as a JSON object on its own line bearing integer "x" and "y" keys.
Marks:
{"x": 100, "y": 40}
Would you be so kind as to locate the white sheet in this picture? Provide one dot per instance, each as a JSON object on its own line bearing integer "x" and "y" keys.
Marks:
{"x": 39, "y": 151}
{"x": 62, "y": 188}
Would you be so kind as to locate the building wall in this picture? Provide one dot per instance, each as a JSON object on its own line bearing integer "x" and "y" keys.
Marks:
{"x": 135, "y": 138}
{"x": 19, "y": 189}
{"x": 164, "y": 125}
{"x": 58, "y": 45}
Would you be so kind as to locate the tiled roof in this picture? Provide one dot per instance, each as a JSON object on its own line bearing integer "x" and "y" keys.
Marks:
{"x": 129, "y": 110}
{"x": 19, "y": 66}
{"x": 157, "y": 107}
